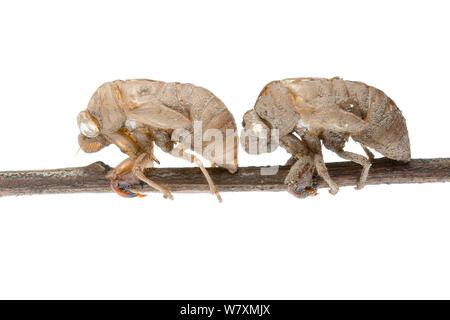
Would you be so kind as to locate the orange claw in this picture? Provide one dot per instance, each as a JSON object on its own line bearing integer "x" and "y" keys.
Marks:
{"x": 312, "y": 192}
{"x": 122, "y": 191}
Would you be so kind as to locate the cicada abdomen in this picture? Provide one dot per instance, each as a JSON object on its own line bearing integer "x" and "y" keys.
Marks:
{"x": 385, "y": 129}
{"x": 215, "y": 132}
{"x": 364, "y": 112}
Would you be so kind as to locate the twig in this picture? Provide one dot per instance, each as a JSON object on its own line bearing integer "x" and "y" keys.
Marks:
{"x": 92, "y": 177}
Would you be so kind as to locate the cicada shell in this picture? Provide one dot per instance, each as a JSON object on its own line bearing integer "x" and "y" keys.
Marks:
{"x": 136, "y": 114}
{"x": 319, "y": 111}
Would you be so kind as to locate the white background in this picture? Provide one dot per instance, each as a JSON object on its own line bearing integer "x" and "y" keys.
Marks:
{"x": 381, "y": 242}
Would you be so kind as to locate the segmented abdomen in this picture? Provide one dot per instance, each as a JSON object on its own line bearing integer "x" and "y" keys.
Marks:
{"x": 219, "y": 132}
{"x": 385, "y": 127}
{"x": 386, "y": 130}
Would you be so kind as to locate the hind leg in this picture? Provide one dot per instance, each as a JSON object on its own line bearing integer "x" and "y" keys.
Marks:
{"x": 363, "y": 161}
{"x": 322, "y": 171}
{"x": 336, "y": 142}
{"x": 181, "y": 153}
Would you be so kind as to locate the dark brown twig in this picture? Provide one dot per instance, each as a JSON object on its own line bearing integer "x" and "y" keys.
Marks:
{"x": 92, "y": 177}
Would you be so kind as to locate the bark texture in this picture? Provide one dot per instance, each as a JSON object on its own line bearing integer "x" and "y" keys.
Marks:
{"x": 92, "y": 177}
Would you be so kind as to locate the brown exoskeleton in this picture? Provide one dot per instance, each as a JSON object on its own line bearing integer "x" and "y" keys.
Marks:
{"x": 310, "y": 111}
{"x": 136, "y": 114}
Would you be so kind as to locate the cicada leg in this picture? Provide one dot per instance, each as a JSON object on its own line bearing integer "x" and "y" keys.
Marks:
{"x": 130, "y": 172}
{"x": 310, "y": 148}
{"x": 140, "y": 164}
{"x": 363, "y": 161}
{"x": 322, "y": 171}
{"x": 300, "y": 176}
{"x": 180, "y": 153}
{"x": 122, "y": 178}
{"x": 122, "y": 190}
{"x": 368, "y": 152}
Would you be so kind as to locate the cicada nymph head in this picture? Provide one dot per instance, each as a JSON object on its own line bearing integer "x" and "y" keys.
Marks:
{"x": 90, "y": 145}
{"x": 257, "y": 137}
{"x": 88, "y": 125}
{"x": 90, "y": 139}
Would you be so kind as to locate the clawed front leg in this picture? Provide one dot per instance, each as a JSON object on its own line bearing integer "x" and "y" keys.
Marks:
{"x": 314, "y": 145}
{"x": 122, "y": 177}
{"x": 291, "y": 161}
{"x": 306, "y": 160}
{"x": 131, "y": 171}
{"x": 300, "y": 178}
{"x": 138, "y": 170}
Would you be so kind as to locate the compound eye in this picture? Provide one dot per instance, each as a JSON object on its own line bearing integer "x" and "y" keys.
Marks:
{"x": 257, "y": 136}
{"x": 258, "y": 128}
{"x": 88, "y": 125}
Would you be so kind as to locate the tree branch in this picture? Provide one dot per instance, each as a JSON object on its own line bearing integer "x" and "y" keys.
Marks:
{"x": 92, "y": 177}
